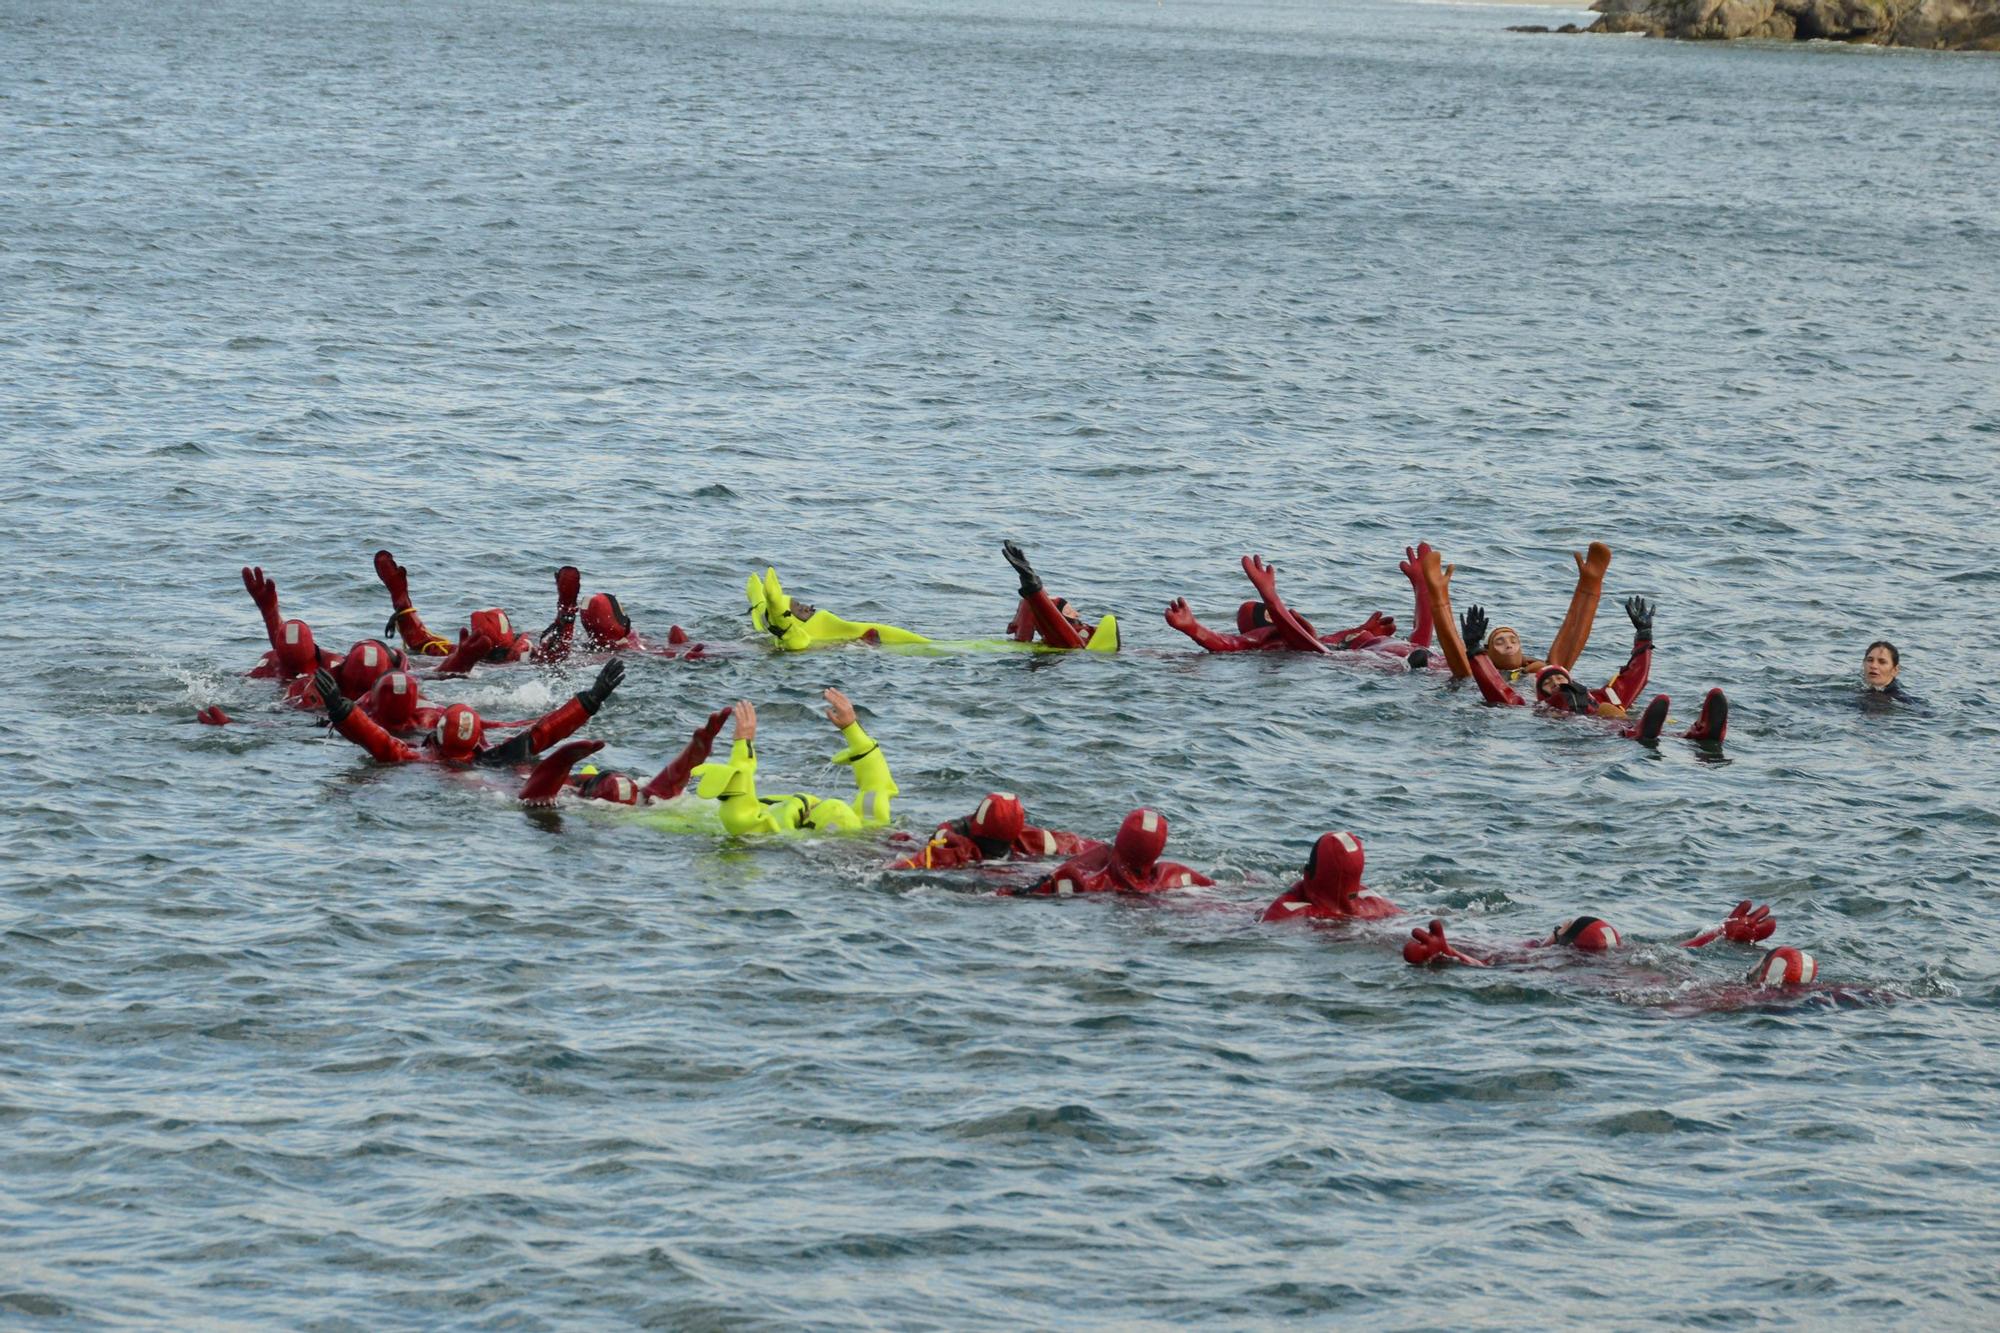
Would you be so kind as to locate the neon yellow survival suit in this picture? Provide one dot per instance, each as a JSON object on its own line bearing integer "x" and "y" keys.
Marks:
{"x": 734, "y": 784}
{"x": 771, "y": 613}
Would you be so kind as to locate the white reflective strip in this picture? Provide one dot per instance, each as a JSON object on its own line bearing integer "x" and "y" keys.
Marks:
{"x": 1347, "y": 840}
{"x": 292, "y": 633}
{"x": 1064, "y": 888}
{"x": 1613, "y": 936}
{"x": 506, "y": 630}
{"x": 399, "y": 684}
{"x": 1048, "y": 843}
{"x": 979, "y": 815}
{"x": 465, "y": 726}
{"x": 1150, "y": 823}
{"x": 1006, "y": 795}
{"x": 368, "y": 656}
{"x": 624, "y": 790}
{"x": 868, "y": 803}
{"x": 1611, "y": 696}
{"x": 1184, "y": 880}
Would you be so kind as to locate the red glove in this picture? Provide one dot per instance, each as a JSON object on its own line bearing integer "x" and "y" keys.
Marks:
{"x": 212, "y": 716}
{"x": 394, "y": 577}
{"x": 1428, "y": 945}
{"x": 262, "y": 590}
{"x": 1745, "y": 925}
{"x": 569, "y": 582}
{"x": 1181, "y": 616}
{"x": 1412, "y": 561}
{"x": 675, "y": 634}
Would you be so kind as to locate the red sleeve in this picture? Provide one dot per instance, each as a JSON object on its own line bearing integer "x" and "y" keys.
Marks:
{"x": 1222, "y": 643}
{"x": 367, "y": 733}
{"x": 1420, "y": 632}
{"x": 558, "y": 725}
{"x": 469, "y": 653}
{"x": 417, "y": 636}
{"x": 1496, "y": 690}
{"x": 1296, "y": 633}
{"x": 1049, "y": 623}
{"x": 1631, "y": 682}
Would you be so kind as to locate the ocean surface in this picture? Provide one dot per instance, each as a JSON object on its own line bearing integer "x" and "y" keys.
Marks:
{"x": 858, "y": 289}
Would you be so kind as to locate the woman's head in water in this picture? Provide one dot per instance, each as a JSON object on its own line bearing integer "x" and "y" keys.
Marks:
{"x": 1880, "y": 664}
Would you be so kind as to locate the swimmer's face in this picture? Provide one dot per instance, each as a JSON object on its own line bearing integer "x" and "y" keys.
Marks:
{"x": 1069, "y": 614}
{"x": 1504, "y": 648}
{"x": 801, "y": 610}
{"x": 1878, "y": 668}
{"x": 1551, "y": 684}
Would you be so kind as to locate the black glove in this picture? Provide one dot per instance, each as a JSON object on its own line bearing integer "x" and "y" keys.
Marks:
{"x": 558, "y": 630}
{"x": 337, "y": 704}
{"x": 600, "y": 689}
{"x": 1472, "y": 628}
{"x": 1031, "y": 582}
{"x": 1641, "y": 613}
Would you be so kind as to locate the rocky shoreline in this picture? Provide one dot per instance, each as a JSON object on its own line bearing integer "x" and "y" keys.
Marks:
{"x": 1958, "y": 25}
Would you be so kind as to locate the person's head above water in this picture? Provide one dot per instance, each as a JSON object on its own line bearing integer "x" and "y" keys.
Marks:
{"x": 1587, "y": 933}
{"x": 1880, "y": 664}
{"x": 494, "y": 624}
{"x": 1141, "y": 839}
{"x": 1252, "y": 615}
{"x": 460, "y": 733}
{"x": 611, "y": 786}
{"x": 1332, "y": 874}
{"x": 1554, "y": 687}
{"x": 1503, "y": 648}
{"x": 997, "y": 822}
{"x": 392, "y": 700}
{"x": 296, "y": 650}
{"x": 365, "y": 663}
{"x": 604, "y": 619}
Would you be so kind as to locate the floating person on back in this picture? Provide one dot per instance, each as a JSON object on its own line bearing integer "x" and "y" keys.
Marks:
{"x": 1586, "y": 934}
{"x": 1268, "y": 624}
{"x": 795, "y": 626}
{"x": 1504, "y": 645}
{"x": 1052, "y": 620}
{"x": 1557, "y": 691}
{"x": 744, "y": 811}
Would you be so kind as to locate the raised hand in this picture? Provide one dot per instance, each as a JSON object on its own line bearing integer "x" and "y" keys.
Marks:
{"x": 1427, "y": 945}
{"x": 394, "y": 577}
{"x": 600, "y": 689}
{"x": 1595, "y": 563}
{"x": 337, "y": 705}
{"x": 263, "y": 591}
{"x": 839, "y": 711}
{"x": 1412, "y": 563}
{"x": 1181, "y": 616}
{"x": 1031, "y": 582}
{"x": 1748, "y": 925}
{"x": 1472, "y": 628}
{"x": 1430, "y": 562}
{"x": 1263, "y": 577}
{"x": 744, "y": 715}
{"x": 569, "y": 582}
{"x": 1640, "y": 612}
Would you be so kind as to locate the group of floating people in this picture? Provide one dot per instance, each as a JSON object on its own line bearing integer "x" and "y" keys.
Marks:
{"x": 373, "y": 695}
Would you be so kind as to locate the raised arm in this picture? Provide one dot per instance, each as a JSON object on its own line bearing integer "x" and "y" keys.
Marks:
{"x": 1745, "y": 925}
{"x": 557, "y": 725}
{"x": 1582, "y": 614}
{"x": 1631, "y": 681}
{"x": 873, "y": 785}
{"x": 1484, "y": 673}
{"x": 551, "y": 775}
{"x": 1181, "y": 617}
{"x": 1437, "y": 581}
{"x": 1412, "y": 567}
{"x": 1056, "y": 631}
{"x": 264, "y": 592}
{"x": 417, "y": 637}
{"x": 1265, "y": 580}
{"x": 554, "y": 643}
{"x": 672, "y": 780}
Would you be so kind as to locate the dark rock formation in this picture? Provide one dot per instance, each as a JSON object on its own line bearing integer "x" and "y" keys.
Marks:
{"x": 1965, "y": 25}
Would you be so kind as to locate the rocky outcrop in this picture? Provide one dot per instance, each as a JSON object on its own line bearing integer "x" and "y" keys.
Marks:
{"x": 1964, "y": 25}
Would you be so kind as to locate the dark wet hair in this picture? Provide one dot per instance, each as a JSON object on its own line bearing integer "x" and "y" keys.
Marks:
{"x": 1895, "y": 658}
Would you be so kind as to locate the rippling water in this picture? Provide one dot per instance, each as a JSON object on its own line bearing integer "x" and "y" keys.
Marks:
{"x": 858, "y": 289}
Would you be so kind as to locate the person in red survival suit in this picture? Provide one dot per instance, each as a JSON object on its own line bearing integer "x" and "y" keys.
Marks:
{"x": 1556, "y": 690}
{"x": 1427, "y": 944}
{"x": 293, "y": 653}
{"x": 552, "y": 776}
{"x": 505, "y": 643}
{"x": 1330, "y": 889}
{"x": 1051, "y": 619}
{"x": 1131, "y": 864}
{"x": 459, "y": 739}
{"x": 1269, "y": 624}
{"x": 606, "y": 628}
{"x": 997, "y": 831}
